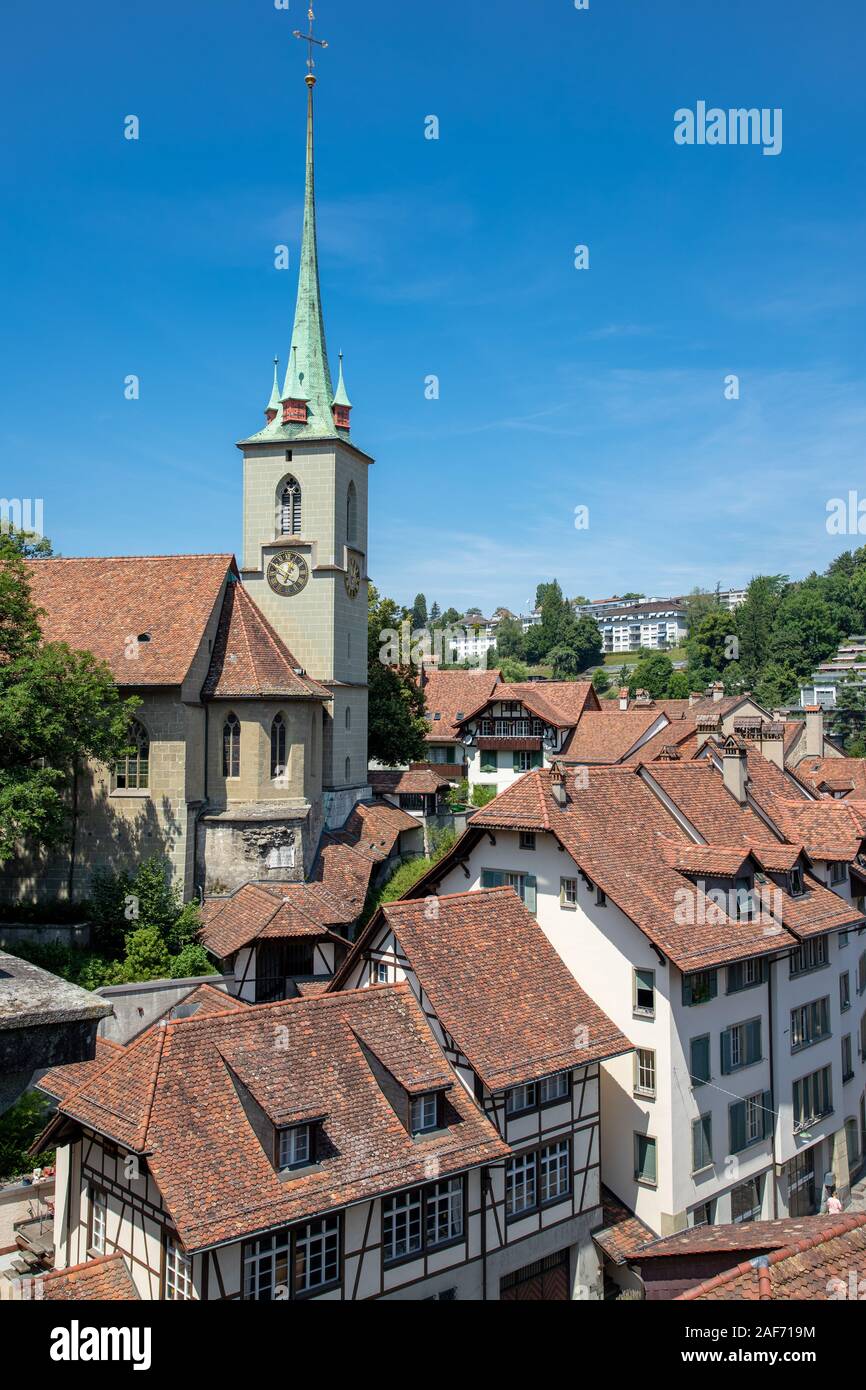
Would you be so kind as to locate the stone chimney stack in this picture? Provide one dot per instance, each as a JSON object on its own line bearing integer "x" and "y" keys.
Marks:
{"x": 694, "y": 697}
{"x": 623, "y": 698}
{"x": 814, "y": 731}
{"x": 705, "y": 726}
{"x": 717, "y": 690}
{"x": 773, "y": 743}
{"x": 557, "y": 787}
{"x": 735, "y": 769}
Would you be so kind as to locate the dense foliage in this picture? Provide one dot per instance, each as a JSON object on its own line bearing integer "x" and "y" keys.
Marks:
{"x": 20, "y": 1125}
{"x": 396, "y": 727}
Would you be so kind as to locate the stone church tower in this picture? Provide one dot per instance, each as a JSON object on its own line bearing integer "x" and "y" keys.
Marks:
{"x": 305, "y": 525}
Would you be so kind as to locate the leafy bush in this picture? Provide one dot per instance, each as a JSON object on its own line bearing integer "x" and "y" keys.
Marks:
{"x": 481, "y": 795}
{"x": 19, "y": 1126}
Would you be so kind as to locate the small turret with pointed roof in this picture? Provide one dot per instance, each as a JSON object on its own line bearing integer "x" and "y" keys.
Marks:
{"x": 273, "y": 406}
{"x": 341, "y": 405}
{"x": 295, "y": 399}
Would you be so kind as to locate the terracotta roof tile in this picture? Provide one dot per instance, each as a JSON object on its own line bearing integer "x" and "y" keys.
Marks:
{"x": 816, "y": 1267}
{"x": 283, "y": 911}
{"x": 560, "y": 703}
{"x": 608, "y": 736}
{"x": 623, "y": 1233}
{"x": 516, "y": 1019}
{"x": 175, "y": 1095}
{"x": 835, "y": 773}
{"x": 250, "y": 659}
{"x": 423, "y": 781}
{"x": 449, "y": 693}
{"x": 105, "y": 1278}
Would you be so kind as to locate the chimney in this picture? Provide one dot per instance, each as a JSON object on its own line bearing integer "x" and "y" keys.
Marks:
{"x": 557, "y": 786}
{"x": 717, "y": 690}
{"x": 773, "y": 743}
{"x": 814, "y": 731}
{"x": 694, "y": 697}
{"x": 623, "y": 697}
{"x": 705, "y": 726}
{"x": 735, "y": 769}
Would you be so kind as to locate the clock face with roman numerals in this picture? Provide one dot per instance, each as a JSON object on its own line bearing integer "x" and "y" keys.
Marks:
{"x": 288, "y": 572}
{"x": 352, "y": 577}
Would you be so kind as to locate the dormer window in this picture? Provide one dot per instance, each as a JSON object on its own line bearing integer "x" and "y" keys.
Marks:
{"x": 424, "y": 1113}
{"x": 294, "y": 1147}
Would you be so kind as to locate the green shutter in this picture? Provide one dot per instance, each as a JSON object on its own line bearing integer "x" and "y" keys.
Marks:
{"x": 538, "y": 759}
{"x": 700, "y": 1061}
{"x": 530, "y": 893}
{"x": 737, "y": 1114}
{"x": 714, "y": 983}
{"x": 488, "y": 760}
{"x": 726, "y": 1052}
{"x": 687, "y": 989}
{"x": 753, "y": 1040}
{"x": 645, "y": 1158}
{"x": 767, "y": 1102}
{"x": 702, "y": 1142}
{"x": 516, "y": 762}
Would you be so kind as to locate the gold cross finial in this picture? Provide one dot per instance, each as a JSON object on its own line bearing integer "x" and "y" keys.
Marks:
{"x": 310, "y": 39}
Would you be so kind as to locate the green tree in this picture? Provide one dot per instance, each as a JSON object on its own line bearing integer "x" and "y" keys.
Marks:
{"x": 20, "y": 1125}
{"x": 653, "y": 674}
{"x": 419, "y": 612}
{"x": 512, "y": 671}
{"x": 147, "y": 957}
{"x": 756, "y": 619}
{"x": 565, "y": 662}
{"x": 806, "y": 630}
{"x": 396, "y": 726}
{"x": 58, "y": 709}
{"x": 777, "y": 686}
{"x": 509, "y": 639}
{"x": 601, "y": 681}
{"x": 678, "y": 686}
{"x": 435, "y": 614}
{"x": 708, "y": 647}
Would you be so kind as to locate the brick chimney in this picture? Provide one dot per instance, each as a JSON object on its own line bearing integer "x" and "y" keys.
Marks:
{"x": 814, "y": 731}
{"x": 735, "y": 769}
{"x": 623, "y": 697}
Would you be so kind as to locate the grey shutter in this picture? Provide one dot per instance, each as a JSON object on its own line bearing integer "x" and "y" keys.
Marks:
{"x": 714, "y": 983}
{"x": 726, "y": 1052}
{"x": 687, "y": 989}
{"x": 700, "y": 1059}
{"x": 753, "y": 1040}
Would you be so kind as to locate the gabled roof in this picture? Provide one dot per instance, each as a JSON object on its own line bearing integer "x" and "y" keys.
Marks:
{"x": 608, "y": 736}
{"x": 497, "y": 986}
{"x": 398, "y": 782}
{"x": 559, "y": 703}
{"x": 250, "y": 659}
{"x": 733, "y": 1236}
{"x": 348, "y": 858}
{"x": 105, "y": 1278}
{"x": 829, "y": 829}
{"x": 834, "y": 774}
{"x": 816, "y": 1267}
{"x": 273, "y": 911}
{"x": 178, "y": 1096}
{"x": 452, "y": 693}
{"x": 622, "y": 1233}
{"x": 104, "y": 605}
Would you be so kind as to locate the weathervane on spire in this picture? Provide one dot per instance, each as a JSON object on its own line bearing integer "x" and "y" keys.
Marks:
{"x": 309, "y": 39}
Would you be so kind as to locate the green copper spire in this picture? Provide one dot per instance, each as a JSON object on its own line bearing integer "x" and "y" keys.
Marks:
{"x": 308, "y": 334}
{"x": 341, "y": 397}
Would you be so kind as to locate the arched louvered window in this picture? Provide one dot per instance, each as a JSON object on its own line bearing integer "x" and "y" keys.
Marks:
{"x": 348, "y": 769}
{"x": 278, "y": 746}
{"x": 232, "y": 747}
{"x": 289, "y": 508}
{"x": 132, "y": 772}
{"x": 351, "y": 515}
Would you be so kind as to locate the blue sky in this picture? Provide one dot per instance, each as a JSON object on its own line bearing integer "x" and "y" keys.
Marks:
{"x": 559, "y": 388}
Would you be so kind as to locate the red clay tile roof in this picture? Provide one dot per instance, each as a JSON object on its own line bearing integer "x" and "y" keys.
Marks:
{"x": 560, "y": 703}
{"x": 274, "y": 910}
{"x": 836, "y": 773}
{"x": 347, "y": 858}
{"x": 103, "y": 605}
{"x": 829, "y": 829}
{"x": 424, "y": 781}
{"x": 250, "y": 659}
{"x": 735, "y": 1235}
{"x": 816, "y": 1268}
{"x": 175, "y": 1095}
{"x": 61, "y": 1081}
{"x": 619, "y": 831}
{"x": 497, "y": 985}
{"x": 449, "y": 693}
{"x": 105, "y": 1278}
{"x": 623, "y": 1233}
{"x": 608, "y": 736}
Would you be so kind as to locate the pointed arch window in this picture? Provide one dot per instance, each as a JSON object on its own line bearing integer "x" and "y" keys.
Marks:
{"x": 278, "y": 747}
{"x": 348, "y": 769}
{"x": 289, "y": 508}
{"x": 351, "y": 515}
{"x": 348, "y": 717}
{"x": 132, "y": 772}
{"x": 232, "y": 747}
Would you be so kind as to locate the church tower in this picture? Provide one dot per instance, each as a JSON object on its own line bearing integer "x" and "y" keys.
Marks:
{"x": 305, "y": 522}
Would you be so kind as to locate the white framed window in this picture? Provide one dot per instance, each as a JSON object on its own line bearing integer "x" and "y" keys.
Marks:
{"x": 178, "y": 1272}
{"x": 554, "y": 1088}
{"x": 401, "y": 1225}
{"x": 811, "y": 955}
{"x": 746, "y": 1201}
{"x": 267, "y": 1263}
{"x": 645, "y": 1072}
{"x": 527, "y": 839}
{"x": 644, "y": 1000}
{"x": 554, "y": 1168}
{"x": 425, "y": 1113}
{"x": 521, "y": 1185}
{"x": 754, "y": 1118}
{"x": 294, "y": 1147}
{"x": 444, "y": 1215}
{"x": 568, "y": 892}
{"x": 521, "y": 1098}
{"x": 316, "y": 1261}
{"x": 379, "y": 972}
{"x": 844, "y": 991}
{"x": 98, "y": 1219}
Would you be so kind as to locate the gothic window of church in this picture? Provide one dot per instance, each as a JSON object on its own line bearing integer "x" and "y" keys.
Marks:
{"x": 351, "y": 515}
{"x": 232, "y": 747}
{"x": 348, "y": 769}
{"x": 289, "y": 509}
{"x": 131, "y": 773}
{"x": 278, "y": 747}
